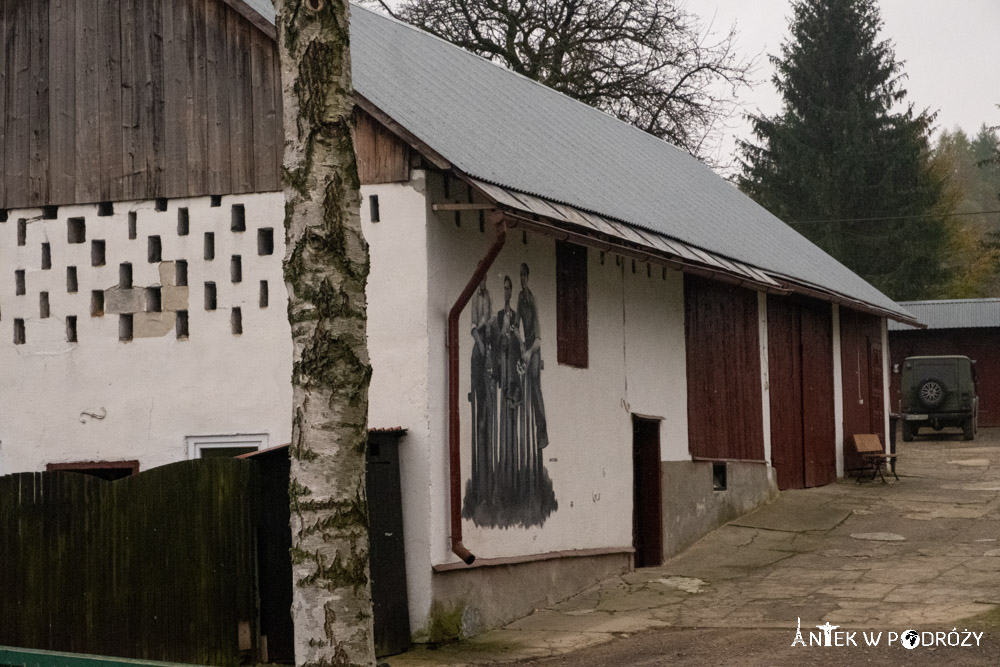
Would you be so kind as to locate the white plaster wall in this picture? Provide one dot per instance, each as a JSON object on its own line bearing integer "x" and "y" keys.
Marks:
{"x": 765, "y": 379}
{"x": 655, "y": 353}
{"x": 398, "y": 347}
{"x": 152, "y": 391}
{"x": 634, "y": 322}
{"x": 838, "y": 392}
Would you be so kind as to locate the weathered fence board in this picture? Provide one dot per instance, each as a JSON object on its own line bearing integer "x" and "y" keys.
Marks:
{"x": 159, "y": 566}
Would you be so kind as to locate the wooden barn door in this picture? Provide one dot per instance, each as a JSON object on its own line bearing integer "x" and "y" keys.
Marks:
{"x": 800, "y": 372}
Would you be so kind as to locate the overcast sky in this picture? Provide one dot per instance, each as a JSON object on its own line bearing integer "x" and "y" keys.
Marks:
{"x": 951, "y": 49}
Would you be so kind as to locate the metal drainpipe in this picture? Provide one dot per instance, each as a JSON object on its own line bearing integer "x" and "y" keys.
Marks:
{"x": 454, "y": 420}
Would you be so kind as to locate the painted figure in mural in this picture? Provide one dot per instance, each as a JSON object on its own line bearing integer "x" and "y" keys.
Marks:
{"x": 532, "y": 357}
{"x": 509, "y": 484}
{"x": 483, "y": 387}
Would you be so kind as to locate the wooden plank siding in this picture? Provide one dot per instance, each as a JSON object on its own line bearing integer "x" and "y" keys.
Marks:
{"x": 135, "y": 99}
{"x": 382, "y": 157}
{"x": 858, "y": 332}
{"x": 725, "y": 410}
{"x": 800, "y": 375}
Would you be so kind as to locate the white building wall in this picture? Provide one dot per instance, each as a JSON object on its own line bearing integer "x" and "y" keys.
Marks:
{"x": 398, "y": 346}
{"x": 103, "y": 399}
{"x": 636, "y": 323}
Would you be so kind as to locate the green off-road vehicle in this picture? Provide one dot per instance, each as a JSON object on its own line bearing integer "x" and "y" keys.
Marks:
{"x": 939, "y": 392}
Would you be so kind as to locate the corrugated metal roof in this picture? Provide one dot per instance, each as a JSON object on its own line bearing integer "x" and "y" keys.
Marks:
{"x": 503, "y": 128}
{"x": 263, "y": 7}
{"x": 952, "y": 314}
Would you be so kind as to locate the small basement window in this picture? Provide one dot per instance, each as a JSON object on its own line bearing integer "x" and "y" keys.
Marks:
{"x": 105, "y": 208}
{"x": 71, "y": 329}
{"x": 209, "y": 245}
{"x": 236, "y": 321}
{"x": 43, "y": 305}
{"x": 236, "y": 269}
{"x": 182, "y": 324}
{"x": 106, "y": 470}
{"x": 19, "y": 286}
{"x": 210, "y": 296}
{"x": 183, "y": 222}
{"x": 181, "y": 273}
{"x": 210, "y": 446}
{"x": 46, "y": 257}
{"x": 133, "y": 225}
{"x": 125, "y": 275}
{"x": 719, "y": 476}
{"x": 155, "y": 249}
{"x": 571, "y": 304}
{"x": 19, "y": 332}
{"x": 72, "y": 284}
{"x": 263, "y": 296}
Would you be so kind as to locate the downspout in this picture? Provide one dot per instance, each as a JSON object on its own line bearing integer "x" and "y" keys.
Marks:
{"x": 454, "y": 420}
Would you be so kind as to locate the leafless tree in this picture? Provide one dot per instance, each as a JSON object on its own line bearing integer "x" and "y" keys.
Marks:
{"x": 648, "y": 62}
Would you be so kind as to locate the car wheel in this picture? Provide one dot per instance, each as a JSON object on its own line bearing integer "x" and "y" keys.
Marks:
{"x": 931, "y": 393}
{"x": 969, "y": 429}
{"x": 908, "y": 431}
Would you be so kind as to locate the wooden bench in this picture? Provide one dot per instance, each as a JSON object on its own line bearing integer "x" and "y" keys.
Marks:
{"x": 873, "y": 455}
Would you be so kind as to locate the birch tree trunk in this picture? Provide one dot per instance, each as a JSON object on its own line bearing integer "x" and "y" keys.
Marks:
{"x": 326, "y": 267}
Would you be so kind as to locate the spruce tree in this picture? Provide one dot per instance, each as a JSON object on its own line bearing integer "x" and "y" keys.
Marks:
{"x": 847, "y": 148}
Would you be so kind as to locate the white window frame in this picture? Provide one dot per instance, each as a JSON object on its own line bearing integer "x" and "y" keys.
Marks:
{"x": 197, "y": 443}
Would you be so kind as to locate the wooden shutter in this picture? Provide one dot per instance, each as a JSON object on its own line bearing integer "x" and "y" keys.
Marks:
{"x": 571, "y": 304}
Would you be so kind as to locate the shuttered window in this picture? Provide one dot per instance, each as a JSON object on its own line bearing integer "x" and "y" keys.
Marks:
{"x": 571, "y": 304}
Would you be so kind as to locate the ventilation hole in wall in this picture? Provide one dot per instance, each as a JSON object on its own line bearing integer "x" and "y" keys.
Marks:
{"x": 482, "y": 221}
{"x": 263, "y": 294}
{"x": 50, "y": 212}
{"x": 633, "y": 266}
{"x": 125, "y": 327}
{"x": 447, "y": 187}
{"x": 19, "y": 282}
{"x": 719, "y": 476}
{"x": 265, "y": 241}
{"x": 3, "y": 214}
{"x": 183, "y": 222}
{"x": 210, "y": 302}
{"x": 76, "y": 230}
{"x": 664, "y": 273}
{"x": 524, "y": 238}
{"x": 97, "y": 303}
{"x": 181, "y": 273}
{"x": 18, "y": 332}
{"x": 22, "y": 231}
{"x": 458, "y": 218}
{"x": 236, "y": 269}
{"x": 125, "y": 275}
{"x": 602, "y": 258}
{"x": 215, "y": 200}
{"x": 160, "y": 204}
{"x": 46, "y": 256}
{"x": 649, "y": 270}
{"x": 182, "y": 324}
{"x": 154, "y": 249}
{"x": 239, "y": 223}
{"x": 209, "y": 245}
{"x": 105, "y": 208}
{"x": 133, "y": 225}
{"x": 373, "y": 208}
{"x": 43, "y": 305}
{"x": 72, "y": 285}
{"x": 154, "y": 301}
{"x": 71, "y": 329}
{"x": 97, "y": 253}
{"x": 236, "y": 321}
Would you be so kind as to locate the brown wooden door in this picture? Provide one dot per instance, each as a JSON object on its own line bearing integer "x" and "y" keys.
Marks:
{"x": 785, "y": 381}
{"x": 876, "y": 391}
{"x": 818, "y": 432}
{"x": 800, "y": 374}
{"x": 647, "y": 524}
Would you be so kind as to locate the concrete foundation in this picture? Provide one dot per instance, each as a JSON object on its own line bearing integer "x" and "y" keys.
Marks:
{"x": 692, "y": 508}
{"x": 471, "y": 600}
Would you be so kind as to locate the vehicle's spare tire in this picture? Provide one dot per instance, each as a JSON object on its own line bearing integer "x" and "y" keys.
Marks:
{"x": 931, "y": 393}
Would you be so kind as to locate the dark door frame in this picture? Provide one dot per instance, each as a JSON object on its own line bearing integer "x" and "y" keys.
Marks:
{"x": 647, "y": 492}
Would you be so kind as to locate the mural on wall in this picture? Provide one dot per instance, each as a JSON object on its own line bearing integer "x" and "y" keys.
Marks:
{"x": 509, "y": 485}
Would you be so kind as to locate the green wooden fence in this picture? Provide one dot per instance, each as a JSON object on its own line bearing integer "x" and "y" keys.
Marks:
{"x": 158, "y": 566}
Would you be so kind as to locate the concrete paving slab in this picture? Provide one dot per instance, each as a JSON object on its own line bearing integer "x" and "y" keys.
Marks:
{"x": 794, "y": 513}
